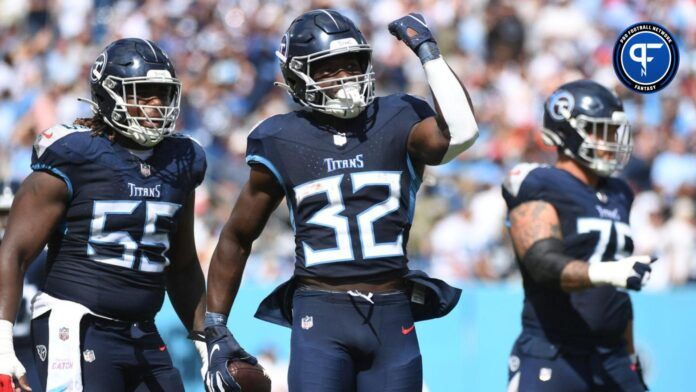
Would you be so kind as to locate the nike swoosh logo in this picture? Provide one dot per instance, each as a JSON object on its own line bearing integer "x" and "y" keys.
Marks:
{"x": 408, "y": 330}
{"x": 210, "y": 357}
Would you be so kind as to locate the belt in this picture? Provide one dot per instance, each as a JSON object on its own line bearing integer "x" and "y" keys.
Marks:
{"x": 343, "y": 284}
{"x": 114, "y": 323}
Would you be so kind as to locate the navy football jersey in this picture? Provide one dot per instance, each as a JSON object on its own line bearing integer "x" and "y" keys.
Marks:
{"x": 112, "y": 249}
{"x": 351, "y": 197}
{"x": 594, "y": 225}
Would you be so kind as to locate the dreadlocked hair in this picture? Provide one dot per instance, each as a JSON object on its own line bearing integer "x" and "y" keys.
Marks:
{"x": 96, "y": 124}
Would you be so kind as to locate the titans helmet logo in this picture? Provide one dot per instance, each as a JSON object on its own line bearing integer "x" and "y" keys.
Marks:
{"x": 98, "y": 67}
{"x": 560, "y": 105}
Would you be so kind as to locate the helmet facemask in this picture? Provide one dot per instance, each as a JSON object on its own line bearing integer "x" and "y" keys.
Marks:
{"x": 607, "y": 142}
{"x": 344, "y": 97}
{"x": 140, "y": 124}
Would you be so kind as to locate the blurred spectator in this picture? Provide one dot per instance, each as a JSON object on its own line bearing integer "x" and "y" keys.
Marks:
{"x": 680, "y": 242}
{"x": 673, "y": 171}
{"x": 276, "y": 369}
{"x": 647, "y": 222}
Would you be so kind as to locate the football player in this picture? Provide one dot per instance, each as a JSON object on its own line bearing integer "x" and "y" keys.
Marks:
{"x": 113, "y": 197}
{"x": 349, "y": 165}
{"x": 569, "y": 228}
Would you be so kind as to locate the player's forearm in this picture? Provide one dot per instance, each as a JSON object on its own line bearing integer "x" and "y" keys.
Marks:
{"x": 225, "y": 273}
{"x": 10, "y": 286}
{"x": 452, "y": 103}
{"x": 574, "y": 276}
{"x": 628, "y": 336}
{"x": 186, "y": 288}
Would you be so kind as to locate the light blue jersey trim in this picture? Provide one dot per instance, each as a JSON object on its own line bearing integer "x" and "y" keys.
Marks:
{"x": 413, "y": 188}
{"x": 48, "y": 168}
{"x": 61, "y": 388}
{"x": 270, "y": 166}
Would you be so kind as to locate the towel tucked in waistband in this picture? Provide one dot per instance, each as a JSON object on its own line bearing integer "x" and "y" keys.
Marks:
{"x": 64, "y": 370}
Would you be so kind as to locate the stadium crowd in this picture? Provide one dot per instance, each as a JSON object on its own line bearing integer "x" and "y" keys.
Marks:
{"x": 509, "y": 54}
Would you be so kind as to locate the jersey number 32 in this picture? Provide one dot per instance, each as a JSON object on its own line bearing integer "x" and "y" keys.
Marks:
{"x": 330, "y": 216}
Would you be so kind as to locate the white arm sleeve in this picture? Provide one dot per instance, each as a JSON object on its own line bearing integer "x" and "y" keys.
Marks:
{"x": 454, "y": 107}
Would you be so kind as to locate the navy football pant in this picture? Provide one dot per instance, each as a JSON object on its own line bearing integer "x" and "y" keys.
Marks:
{"x": 123, "y": 357}
{"x": 537, "y": 365}
{"x": 344, "y": 343}
{"x": 25, "y": 353}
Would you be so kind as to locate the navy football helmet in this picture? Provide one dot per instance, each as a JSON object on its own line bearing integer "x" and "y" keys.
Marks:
{"x": 586, "y": 122}
{"x": 317, "y": 35}
{"x": 127, "y": 69}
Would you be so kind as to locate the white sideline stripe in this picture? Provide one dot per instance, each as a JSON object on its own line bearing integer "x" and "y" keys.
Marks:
{"x": 151, "y": 48}
{"x": 330, "y": 16}
{"x": 419, "y": 21}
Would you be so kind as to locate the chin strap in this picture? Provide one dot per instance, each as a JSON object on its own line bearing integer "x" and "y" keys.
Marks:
{"x": 136, "y": 137}
{"x": 92, "y": 105}
{"x": 345, "y": 96}
{"x": 348, "y": 103}
{"x": 283, "y": 86}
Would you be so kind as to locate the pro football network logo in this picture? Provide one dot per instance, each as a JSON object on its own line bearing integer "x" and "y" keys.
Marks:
{"x": 646, "y": 57}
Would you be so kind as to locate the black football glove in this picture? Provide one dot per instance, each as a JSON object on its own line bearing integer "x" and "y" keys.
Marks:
{"x": 414, "y": 32}
{"x": 222, "y": 348}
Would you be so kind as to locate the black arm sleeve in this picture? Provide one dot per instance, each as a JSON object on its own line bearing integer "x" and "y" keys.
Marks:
{"x": 545, "y": 260}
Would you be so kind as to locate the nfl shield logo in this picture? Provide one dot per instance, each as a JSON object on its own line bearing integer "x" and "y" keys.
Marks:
{"x": 544, "y": 374}
{"x": 145, "y": 169}
{"x": 88, "y": 355}
{"x": 602, "y": 197}
{"x": 307, "y": 322}
{"x": 340, "y": 139}
{"x": 64, "y": 334}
